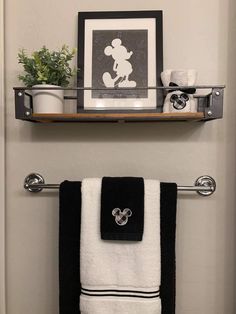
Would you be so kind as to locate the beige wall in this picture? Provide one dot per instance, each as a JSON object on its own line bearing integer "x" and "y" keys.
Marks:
{"x": 197, "y": 34}
{"x": 2, "y": 165}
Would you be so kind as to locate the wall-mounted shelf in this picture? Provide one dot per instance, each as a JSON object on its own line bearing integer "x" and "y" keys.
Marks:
{"x": 120, "y": 117}
{"x": 210, "y": 106}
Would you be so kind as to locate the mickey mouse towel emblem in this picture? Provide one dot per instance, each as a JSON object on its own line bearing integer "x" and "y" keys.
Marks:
{"x": 121, "y": 217}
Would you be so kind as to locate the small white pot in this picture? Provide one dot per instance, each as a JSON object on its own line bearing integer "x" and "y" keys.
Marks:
{"x": 47, "y": 101}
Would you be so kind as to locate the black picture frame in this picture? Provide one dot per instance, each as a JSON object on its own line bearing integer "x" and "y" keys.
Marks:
{"x": 111, "y": 29}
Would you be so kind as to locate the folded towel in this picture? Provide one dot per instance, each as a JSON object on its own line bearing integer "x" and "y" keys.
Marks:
{"x": 122, "y": 208}
{"x": 69, "y": 247}
{"x": 119, "y": 277}
{"x": 168, "y": 232}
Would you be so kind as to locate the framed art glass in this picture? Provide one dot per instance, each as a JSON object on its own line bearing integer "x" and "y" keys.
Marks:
{"x": 120, "y": 56}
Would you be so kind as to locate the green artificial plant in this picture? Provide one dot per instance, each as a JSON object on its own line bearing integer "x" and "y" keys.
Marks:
{"x": 47, "y": 67}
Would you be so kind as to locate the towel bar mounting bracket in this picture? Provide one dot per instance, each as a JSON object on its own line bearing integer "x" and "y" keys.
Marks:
{"x": 32, "y": 181}
{"x": 204, "y": 185}
{"x": 206, "y": 181}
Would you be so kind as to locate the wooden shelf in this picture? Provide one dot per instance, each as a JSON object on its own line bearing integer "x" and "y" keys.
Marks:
{"x": 209, "y": 107}
{"x": 116, "y": 117}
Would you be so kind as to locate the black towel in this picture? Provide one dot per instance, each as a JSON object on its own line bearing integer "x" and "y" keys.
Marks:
{"x": 122, "y": 208}
{"x": 168, "y": 232}
{"x": 69, "y": 247}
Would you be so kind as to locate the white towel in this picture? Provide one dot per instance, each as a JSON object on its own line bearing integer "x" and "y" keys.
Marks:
{"x": 118, "y": 276}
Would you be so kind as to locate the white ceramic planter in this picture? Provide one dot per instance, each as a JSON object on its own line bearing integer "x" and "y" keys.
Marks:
{"x": 47, "y": 101}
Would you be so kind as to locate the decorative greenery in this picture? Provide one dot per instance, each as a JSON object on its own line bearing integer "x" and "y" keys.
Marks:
{"x": 47, "y": 67}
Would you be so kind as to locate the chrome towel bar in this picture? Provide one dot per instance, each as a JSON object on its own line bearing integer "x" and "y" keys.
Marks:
{"x": 204, "y": 185}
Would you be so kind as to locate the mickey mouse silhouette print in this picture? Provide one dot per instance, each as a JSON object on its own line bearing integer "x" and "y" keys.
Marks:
{"x": 122, "y": 67}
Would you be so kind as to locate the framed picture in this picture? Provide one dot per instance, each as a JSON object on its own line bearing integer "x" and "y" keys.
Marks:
{"x": 120, "y": 55}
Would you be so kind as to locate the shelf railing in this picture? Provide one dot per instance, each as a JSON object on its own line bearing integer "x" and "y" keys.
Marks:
{"x": 123, "y": 88}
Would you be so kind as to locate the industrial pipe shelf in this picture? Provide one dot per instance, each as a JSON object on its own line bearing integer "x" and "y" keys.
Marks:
{"x": 210, "y": 106}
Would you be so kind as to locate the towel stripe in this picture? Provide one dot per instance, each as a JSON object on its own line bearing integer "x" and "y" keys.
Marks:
{"x": 113, "y": 290}
{"x": 121, "y": 293}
